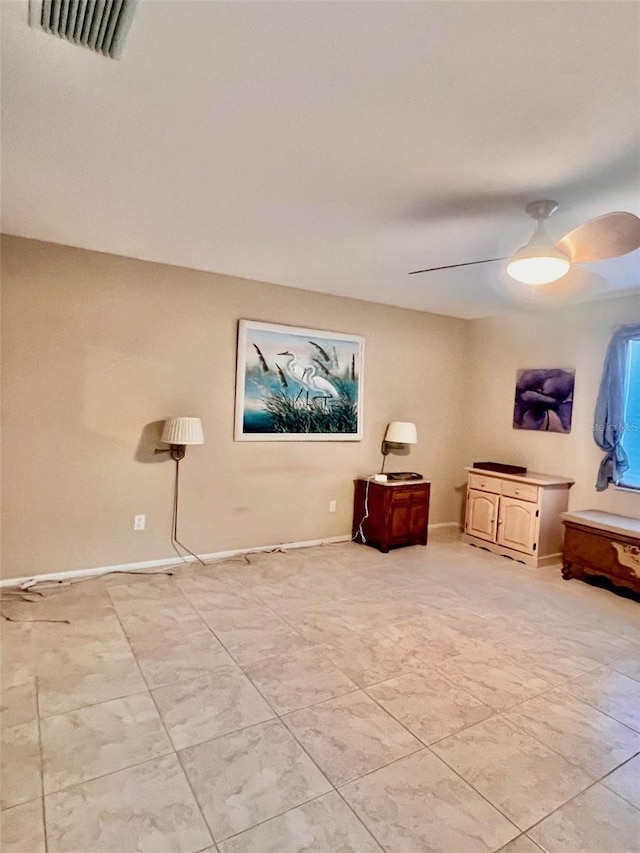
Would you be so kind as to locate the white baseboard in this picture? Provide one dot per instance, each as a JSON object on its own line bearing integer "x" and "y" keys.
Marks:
{"x": 170, "y": 562}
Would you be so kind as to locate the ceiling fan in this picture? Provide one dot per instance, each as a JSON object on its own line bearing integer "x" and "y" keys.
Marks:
{"x": 540, "y": 261}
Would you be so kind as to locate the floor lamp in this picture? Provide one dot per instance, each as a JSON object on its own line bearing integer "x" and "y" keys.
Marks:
{"x": 178, "y": 433}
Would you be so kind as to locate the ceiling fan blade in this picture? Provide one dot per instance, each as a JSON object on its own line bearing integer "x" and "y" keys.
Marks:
{"x": 607, "y": 236}
{"x": 454, "y": 266}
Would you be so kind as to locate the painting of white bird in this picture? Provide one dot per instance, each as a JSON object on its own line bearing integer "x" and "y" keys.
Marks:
{"x": 319, "y": 383}
{"x": 298, "y": 384}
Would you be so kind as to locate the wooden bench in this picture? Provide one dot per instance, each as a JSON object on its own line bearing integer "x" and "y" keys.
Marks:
{"x": 601, "y": 543}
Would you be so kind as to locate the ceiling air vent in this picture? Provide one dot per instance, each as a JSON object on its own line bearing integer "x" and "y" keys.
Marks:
{"x": 100, "y": 25}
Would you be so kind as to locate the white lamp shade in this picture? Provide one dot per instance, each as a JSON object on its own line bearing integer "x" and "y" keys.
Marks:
{"x": 401, "y": 432}
{"x": 182, "y": 431}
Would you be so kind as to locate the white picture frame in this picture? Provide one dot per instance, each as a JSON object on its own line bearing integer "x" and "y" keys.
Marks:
{"x": 298, "y": 384}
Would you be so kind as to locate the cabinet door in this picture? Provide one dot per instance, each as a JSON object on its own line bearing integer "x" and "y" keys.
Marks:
{"x": 482, "y": 515}
{"x": 418, "y": 521}
{"x": 408, "y": 522}
{"x": 517, "y": 525}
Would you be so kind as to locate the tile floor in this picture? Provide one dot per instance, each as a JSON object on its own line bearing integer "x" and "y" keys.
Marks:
{"x": 334, "y": 699}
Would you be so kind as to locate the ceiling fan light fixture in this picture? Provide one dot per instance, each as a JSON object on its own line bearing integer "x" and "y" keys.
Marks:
{"x": 541, "y": 262}
{"x": 537, "y": 265}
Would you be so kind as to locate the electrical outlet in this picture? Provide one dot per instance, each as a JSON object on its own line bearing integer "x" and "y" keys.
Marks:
{"x": 332, "y": 506}
{"x": 139, "y": 522}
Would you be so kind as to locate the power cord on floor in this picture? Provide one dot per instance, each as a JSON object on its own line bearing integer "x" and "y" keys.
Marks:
{"x": 29, "y": 621}
{"x": 30, "y": 597}
{"x": 33, "y": 591}
{"x": 28, "y": 593}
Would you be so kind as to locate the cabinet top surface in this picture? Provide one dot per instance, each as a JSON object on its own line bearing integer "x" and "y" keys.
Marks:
{"x": 394, "y": 483}
{"x": 532, "y": 477}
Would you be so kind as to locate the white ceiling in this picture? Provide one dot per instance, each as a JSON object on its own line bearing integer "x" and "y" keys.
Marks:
{"x": 332, "y": 146}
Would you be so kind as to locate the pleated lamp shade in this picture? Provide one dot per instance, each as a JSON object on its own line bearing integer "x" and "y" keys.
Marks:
{"x": 401, "y": 432}
{"x": 182, "y": 431}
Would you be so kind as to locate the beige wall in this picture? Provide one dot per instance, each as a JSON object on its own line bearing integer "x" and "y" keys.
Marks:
{"x": 99, "y": 349}
{"x": 96, "y": 346}
{"x": 569, "y": 337}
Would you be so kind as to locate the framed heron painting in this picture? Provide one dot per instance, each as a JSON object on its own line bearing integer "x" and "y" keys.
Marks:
{"x": 295, "y": 384}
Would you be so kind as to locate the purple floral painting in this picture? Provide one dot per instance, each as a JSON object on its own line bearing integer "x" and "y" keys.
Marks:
{"x": 544, "y": 400}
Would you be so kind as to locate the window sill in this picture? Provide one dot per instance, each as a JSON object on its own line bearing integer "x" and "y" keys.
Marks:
{"x": 634, "y": 489}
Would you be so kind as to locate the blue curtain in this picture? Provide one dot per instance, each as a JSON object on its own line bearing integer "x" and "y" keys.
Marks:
{"x": 608, "y": 427}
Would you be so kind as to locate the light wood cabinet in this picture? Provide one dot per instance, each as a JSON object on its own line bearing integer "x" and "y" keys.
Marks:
{"x": 517, "y": 516}
{"x": 482, "y": 515}
{"x": 518, "y": 525}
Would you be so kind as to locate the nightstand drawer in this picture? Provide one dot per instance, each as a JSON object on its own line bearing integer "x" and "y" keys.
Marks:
{"x": 484, "y": 484}
{"x": 414, "y": 494}
{"x": 523, "y": 491}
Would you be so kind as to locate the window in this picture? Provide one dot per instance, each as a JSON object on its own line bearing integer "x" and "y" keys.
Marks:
{"x": 631, "y": 434}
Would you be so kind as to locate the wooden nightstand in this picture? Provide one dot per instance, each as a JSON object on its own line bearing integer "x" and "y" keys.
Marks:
{"x": 397, "y": 513}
